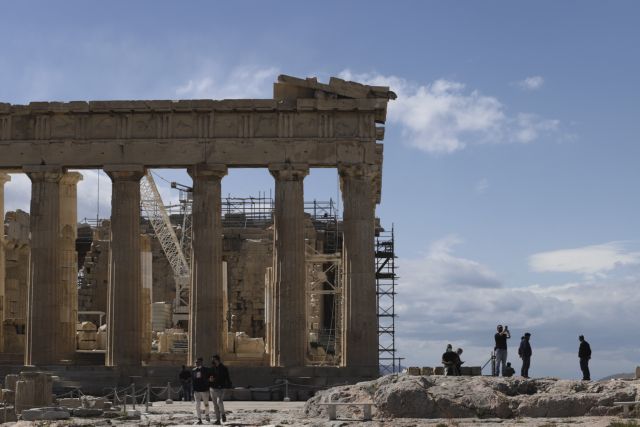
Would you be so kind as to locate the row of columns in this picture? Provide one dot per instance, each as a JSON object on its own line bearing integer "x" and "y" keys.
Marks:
{"x": 51, "y": 292}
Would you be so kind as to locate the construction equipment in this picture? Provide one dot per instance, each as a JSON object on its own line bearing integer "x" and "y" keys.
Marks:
{"x": 152, "y": 205}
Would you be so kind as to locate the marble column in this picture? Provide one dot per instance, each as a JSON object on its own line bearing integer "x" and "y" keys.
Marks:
{"x": 41, "y": 344}
{"x": 290, "y": 325}
{"x": 4, "y": 178}
{"x": 124, "y": 297}
{"x": 68, "y": 295}
{"x": 360, "y": 321}
{"x": 206, "y": 314}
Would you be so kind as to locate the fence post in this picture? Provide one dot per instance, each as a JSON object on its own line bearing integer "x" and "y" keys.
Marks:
{"x": 133, "y": 395}
{"x": 286, "y": 391}
{"x": 168, "y": 401}
{"x": 146, "y": 406}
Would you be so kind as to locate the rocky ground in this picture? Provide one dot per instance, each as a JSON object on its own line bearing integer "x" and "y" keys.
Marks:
{"x": 405, "y": 401}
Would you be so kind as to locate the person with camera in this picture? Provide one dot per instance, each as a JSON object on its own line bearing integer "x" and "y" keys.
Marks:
{"x": 500, "y": 348}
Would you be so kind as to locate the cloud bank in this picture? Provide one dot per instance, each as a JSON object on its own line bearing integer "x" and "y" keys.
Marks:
{"x": 588, "y": 260}
{"x": 445, "y": 116}
{"x": 444, "y": 298}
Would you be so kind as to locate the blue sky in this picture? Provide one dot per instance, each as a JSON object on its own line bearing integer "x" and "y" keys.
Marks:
{"x": 510, "y": 155}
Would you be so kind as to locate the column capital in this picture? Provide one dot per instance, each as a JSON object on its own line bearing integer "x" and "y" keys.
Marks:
{"x": 207, "y": 171}
{"x": 44, "y": 173}
{"x": 358, "y": 170}
{"x": 71, "y": 178}
{"x": 289, "y": 171}
{"x": 125, "y": 172}
{"x": 4, "y": 178}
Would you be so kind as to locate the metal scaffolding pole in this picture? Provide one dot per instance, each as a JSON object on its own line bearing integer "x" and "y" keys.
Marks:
{"x": 386, "y": 281}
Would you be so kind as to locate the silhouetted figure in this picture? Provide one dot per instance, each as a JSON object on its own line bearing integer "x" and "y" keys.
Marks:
{"x": 500, "y": 348}
{"x": 508, "y": 370}
{"x": 458, "y": 363}
{"x": 449, "y": 359}
{"x": 185, "y": 384}
{"x": 584, "y": 354}
{"x": 525, "y": 353}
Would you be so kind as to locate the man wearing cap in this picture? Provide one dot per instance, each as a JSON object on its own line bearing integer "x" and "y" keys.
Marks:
{"x": 200, "y": 382}
{"x": 584, "y": 354}
{"x": 525, "y": 353}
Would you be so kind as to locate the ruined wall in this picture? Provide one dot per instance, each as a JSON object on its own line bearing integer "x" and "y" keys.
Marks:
{"x": 248, "y": 252}
{"x": 92, "y": 294}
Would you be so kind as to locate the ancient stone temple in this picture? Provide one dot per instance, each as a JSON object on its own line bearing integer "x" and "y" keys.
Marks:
{"x": 306, "y": 125}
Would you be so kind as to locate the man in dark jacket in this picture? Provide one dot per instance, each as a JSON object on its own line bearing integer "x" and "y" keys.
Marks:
{"x": 584, "y": 354}
{"x": 200, "y": 382}
{"x": 219, "y": 380}
{"x": 449, "y": 360}
{"x": 525, "y": 353}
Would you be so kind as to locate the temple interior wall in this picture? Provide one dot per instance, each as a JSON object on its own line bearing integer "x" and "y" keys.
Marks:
{"x": 14, "y": 304}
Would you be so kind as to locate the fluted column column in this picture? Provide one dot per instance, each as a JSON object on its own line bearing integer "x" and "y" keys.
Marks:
{"x": 124, "y": 298}
{"x": 289, "y": 265}
{"x": 41, "y": 345}
{"x": 68, "y": 295}
{"x": 206, "y": 315}
{"x": 4, "y": 178}
{"x": 360, "y": 322}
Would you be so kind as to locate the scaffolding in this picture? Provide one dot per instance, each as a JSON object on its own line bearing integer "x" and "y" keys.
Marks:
{"x": 386, "y": 281}
{"x": 324, "y": 285}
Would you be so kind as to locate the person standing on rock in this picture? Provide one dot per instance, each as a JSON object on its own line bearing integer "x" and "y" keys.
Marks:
{"x": 584, "y": 354}
{"x": 449, "y": 358}
{"x": 525, "y": 353}
{"x": 500, "y": 348}
{"x": 200, "y": 382}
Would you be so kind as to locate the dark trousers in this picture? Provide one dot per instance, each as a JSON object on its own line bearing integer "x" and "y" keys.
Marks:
{"x": 185, "y": 391}
{"x": 584, "y": 366}
{"x": 526, "y": 362}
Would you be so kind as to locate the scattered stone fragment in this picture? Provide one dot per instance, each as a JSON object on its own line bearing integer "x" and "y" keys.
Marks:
{"x": 48, "y": 413}
{"x": 87, "y": 412}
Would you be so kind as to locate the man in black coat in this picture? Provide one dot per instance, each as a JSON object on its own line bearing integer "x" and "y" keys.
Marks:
{"x": 219, "y": 380}
{"x": 584, "y": 354}
{"x": 525, "y": 353}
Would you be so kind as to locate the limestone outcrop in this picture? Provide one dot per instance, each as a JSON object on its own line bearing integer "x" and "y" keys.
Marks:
{"x": 408, "y": 396}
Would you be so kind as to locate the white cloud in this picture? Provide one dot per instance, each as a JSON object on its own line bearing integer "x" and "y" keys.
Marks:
{"x": 482, "y": 186}
{"x": 444, "y": 116}
{"x": 531, "y": 83}
{"x": 435, "y": 309}
{"x": 241, "y": 82}
{"x": 588, "y": 260}
{"x": 529, "y": 127}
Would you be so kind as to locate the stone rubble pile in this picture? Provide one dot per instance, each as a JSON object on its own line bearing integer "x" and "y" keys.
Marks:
{"x": 408, "y": 396}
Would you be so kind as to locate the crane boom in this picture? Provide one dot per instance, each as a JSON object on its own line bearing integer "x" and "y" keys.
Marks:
{"x": 152, "y": 205}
